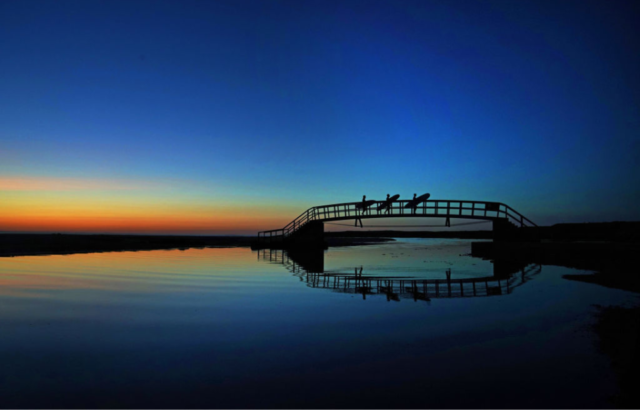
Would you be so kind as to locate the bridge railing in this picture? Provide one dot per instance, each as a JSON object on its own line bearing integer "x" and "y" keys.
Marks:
{"x": 518, "y": 217}
{"x": 432, "y": 208}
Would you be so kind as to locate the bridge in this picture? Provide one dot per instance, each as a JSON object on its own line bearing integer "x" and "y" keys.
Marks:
{"x": 308, "y": 228}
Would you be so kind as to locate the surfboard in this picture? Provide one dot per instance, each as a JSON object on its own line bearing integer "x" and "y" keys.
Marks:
{"x": 385, "y": 204}
{"x": 415, "y": 202}
{"x": 366, "y": 204}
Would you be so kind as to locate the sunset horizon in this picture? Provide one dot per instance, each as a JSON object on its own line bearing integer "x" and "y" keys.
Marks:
{"x": 191, "y": 117}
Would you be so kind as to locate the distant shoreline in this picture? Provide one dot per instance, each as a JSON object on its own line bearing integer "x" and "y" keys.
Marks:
{"x": 32, "y": 244}
{"x": 64, "y": 244}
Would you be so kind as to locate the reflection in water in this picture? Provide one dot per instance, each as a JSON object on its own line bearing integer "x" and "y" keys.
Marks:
{"x": 203, "y": 327}
{"x": 309, "y": 268}
{"x": 295, "y": 262}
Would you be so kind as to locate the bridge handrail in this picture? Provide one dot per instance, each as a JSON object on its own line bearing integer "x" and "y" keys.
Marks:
{"x": 299, "y": 221}
{"x": 518, "y": 216}
{"x": 522, "y": 217}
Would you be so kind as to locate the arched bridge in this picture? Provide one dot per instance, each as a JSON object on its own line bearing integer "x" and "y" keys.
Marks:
{"x": 310, "y": 223}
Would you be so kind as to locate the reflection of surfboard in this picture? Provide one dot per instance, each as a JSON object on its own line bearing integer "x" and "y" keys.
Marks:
{"x": 385, "y": 204}
{"x": 415, "y": 202}
{"x": 366, "y": 204}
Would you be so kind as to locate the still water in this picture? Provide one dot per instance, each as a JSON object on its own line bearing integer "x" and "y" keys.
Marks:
{"x": 415, "y": 323}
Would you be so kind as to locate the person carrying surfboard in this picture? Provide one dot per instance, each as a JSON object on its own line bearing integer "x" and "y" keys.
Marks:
{"x": 388, "y": 203}
{"x": 417, "y": 200}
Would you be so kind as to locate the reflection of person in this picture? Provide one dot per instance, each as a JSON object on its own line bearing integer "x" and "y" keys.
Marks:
{"x": 413, "y": 209}
{"x": 388, "y": 204}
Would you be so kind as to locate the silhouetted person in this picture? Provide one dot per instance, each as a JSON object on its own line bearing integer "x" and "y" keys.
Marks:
{"x": 388, "y": 204}
{"x": 413, "y": 208}
{"x": 364, "y": 203}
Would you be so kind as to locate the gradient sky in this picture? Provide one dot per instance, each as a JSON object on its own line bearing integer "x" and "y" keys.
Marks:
{"x": 231, "y": 117}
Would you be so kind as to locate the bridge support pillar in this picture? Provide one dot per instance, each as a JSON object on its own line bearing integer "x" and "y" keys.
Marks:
{"x": 311, "y": 260}
{"x": 310, "y": 236}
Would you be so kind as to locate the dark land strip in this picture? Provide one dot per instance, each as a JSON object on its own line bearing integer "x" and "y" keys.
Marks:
{"x": 17, "y": 244}
{"x": 60, "y": 244}
{"x": 614, "y": 264}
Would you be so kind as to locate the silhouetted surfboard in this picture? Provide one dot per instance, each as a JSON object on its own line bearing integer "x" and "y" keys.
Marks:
{"x": 366, "y": 204}
{"x": 415, "y": 202}
{"x": 386, "y": 204}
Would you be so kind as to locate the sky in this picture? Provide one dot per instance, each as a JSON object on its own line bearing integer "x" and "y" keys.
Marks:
{"x": 229, "y": 117}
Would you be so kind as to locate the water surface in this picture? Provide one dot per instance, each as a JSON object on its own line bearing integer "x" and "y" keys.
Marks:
{"x": 236, "y": 328}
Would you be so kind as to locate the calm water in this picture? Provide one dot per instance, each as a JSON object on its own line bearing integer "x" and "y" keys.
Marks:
{"x": 236, "y": 328}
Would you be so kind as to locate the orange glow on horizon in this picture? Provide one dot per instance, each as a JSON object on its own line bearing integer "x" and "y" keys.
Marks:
{"x": 101, "y": 206}
{"x": 138, "y": 225}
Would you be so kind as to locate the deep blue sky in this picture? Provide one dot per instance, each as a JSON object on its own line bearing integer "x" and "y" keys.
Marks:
{"x": 535, "y": 104}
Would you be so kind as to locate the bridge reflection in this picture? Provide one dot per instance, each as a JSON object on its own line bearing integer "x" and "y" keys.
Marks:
{"x": 309, "y": 268}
